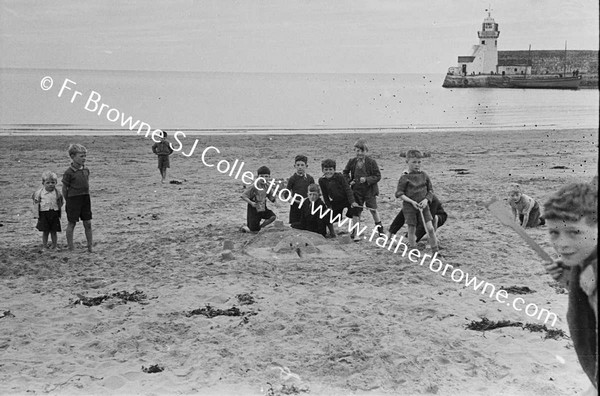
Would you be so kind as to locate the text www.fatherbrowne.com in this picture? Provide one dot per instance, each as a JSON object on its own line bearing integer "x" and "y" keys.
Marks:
{"x": 397, "y": 246}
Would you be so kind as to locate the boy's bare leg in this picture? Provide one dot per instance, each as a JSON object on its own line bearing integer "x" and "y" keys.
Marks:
{"x": 45, "y": 239}
{"x": 331, "y": 230}
{"x": 164, "y": 174}
{"x": 69, "y": 233}
{"x": 432, "y": 237}
{"x": 268, "y": 221}
{"x": 412, "y": 236}
{"x": 54, "y": 239}
{"x": 355, "y": 220}
{"x": 87, "y": 226}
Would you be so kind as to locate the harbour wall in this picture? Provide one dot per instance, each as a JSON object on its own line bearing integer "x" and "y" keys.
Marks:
{"x": 553, "y": 62}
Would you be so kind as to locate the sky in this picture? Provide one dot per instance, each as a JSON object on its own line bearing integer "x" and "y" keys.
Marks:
{"x": 280, "y": 36}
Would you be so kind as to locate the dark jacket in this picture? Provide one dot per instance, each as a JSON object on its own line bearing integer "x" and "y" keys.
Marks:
{"x": 372, "y": 170}
{"x": 336, "y": 190}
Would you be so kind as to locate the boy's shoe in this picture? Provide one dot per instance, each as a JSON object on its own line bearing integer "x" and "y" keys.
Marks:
{"x": 356, "y": 237}
{"x": 380, "y": 230}
{"x": 244, "y": 229}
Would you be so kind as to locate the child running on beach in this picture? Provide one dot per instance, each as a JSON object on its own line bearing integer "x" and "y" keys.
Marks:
{"x": 311, "y": 219}
{"x": 47, "y": 204}
{"x": 76, "y": 190}
{"x": 415, "y": 189}
{"x": 337, "y": 193}
{"x": 526, "y": 210}
{"x": 362, "y": 173}
{"x": 572, "y": 218}
{"x": 298, "y": 184}
{"x": 256, "y": 196}
{"x": 163, "y": 149}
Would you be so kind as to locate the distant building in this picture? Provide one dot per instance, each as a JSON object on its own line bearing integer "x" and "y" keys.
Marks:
{"x": 484, "y": 57}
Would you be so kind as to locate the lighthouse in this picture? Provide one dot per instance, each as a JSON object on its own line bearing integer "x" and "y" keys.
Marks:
{"x": 484, "y": 56}
{"x": 488, "y": 43}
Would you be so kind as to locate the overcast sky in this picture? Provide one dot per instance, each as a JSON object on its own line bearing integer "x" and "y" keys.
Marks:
{"x": 329, "y": 36}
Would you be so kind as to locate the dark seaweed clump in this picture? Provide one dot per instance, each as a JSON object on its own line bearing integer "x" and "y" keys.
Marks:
{"x": 518, "y": 289}
{"x": 485, "y": 324}
{"x": 125, "y": 296}
{"x": 245, "y": 299}
{"x": 155, "y": 368}
{"x": 211, "y": 312}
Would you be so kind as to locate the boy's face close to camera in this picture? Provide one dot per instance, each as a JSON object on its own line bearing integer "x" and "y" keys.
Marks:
{"x": 573, "y": 240}
{"x": 300, "y": 167}
{"x": 360, "y": 153}
{"x": 328, "y": 172}
{"x": 49, "y": 184}
{"x": 313, "y": 196}
{"x": 414, "y": 164}
{"x": 79, "y": 158}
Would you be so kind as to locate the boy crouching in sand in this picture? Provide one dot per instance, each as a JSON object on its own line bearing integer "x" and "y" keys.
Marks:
{"x": 256, "y": 196}
{"x": 47, "y": 202}
{"x": 311, "y": 219}
{"x": 526, "y": 210}
{"x": 572, "y": 218}
{"x": 76, "y": 190}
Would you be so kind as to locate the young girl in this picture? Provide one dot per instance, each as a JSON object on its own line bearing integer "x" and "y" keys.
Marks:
{"x": 525, "y": 209}
{"x": 47, "y": 202}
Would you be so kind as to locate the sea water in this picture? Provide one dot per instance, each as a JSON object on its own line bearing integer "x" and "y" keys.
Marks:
{"x": 206, "y": 102}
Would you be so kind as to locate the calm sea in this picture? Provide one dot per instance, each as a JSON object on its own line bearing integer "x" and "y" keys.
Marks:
{"x": 257, "y": 102}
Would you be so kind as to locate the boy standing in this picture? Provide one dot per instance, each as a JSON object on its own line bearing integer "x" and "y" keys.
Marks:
{"x": 572, "y": 218}
{"x": 163, "y": 149}
{"x": 337, "y": 193}
{"x": 298, "y": 184}
{"x": 47, "y": 202}
{"x": 311, "y": 219}
{"x": 256, "y": 197}
{"x": 416, "y": 191}
{"x": 76, "y": 190}
{"x": 362, "y": 173}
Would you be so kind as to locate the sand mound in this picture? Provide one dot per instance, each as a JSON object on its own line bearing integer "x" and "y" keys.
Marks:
{"x": 291, "y": 244}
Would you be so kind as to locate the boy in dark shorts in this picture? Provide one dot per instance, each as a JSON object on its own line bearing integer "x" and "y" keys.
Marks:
{"x": 337, "y": 193}
{"x": 362, "y": 173}
{"x": 311, "y": 219}
{"x": 163, "y": 149}
{"x": 572, "y": 218}
{"x": 439, "y": 219}
{"x": 415, "y": 189}
{"x": 76, "y": 190}
{"x": 525, "y": 209}
{"x": 256, "y": 196}
{"x": 298, "y": 184}
{"x": 47, "y": 202}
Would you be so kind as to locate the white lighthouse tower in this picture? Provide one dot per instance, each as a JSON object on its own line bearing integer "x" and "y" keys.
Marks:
{"x": 484, "y": 56}
{"x": 488, "y": 43}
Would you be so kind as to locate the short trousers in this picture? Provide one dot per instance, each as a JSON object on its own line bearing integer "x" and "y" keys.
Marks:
{"x": 411, "y": 213}
{"x": 163, "y": 161}
{"x": 362, "y": 197}
{"x": 79, "y": 207}
{"x": 49, "y": 220}
{"x": 534, "y": 216}
{"x": 254, "y": 217}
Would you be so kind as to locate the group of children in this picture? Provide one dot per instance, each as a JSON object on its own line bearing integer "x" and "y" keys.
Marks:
{"x": 48, "y": 201}
{"x": 352, "y": 190}
{"x": 571, "y": 216}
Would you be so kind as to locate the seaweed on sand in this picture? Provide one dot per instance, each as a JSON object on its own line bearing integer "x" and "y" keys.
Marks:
{"x": 211, "y": 312}
{"x": 155, "y": 368}
{"x": 486, "y": 324}
{"x": 518, "y": 289}
{"x": 124, "y": 296}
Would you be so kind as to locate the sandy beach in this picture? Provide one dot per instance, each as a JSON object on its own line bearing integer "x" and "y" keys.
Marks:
{"x": 365, "y": 323}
